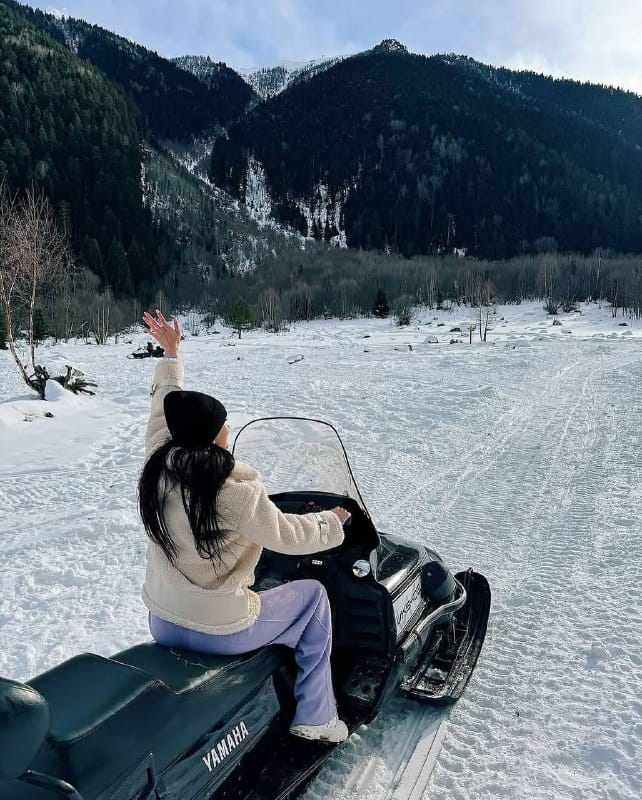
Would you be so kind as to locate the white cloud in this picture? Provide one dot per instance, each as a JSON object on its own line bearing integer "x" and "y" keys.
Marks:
{"x": 592, "y": 40}
{"x": 244, "y": 33}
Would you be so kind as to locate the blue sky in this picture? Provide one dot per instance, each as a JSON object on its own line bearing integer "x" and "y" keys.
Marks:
{"x": 596, "y": 40}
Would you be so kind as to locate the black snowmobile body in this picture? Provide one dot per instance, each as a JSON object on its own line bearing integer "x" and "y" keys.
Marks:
{"x": 152, "y": 723}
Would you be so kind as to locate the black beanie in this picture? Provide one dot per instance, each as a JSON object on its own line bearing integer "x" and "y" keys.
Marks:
{"x": 193, "y": 418}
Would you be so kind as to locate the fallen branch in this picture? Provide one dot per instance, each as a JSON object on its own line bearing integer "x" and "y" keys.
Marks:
{"x": 74, "y": 380}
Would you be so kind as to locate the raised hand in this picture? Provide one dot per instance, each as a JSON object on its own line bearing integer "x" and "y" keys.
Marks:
{"x": 168, "y": 336}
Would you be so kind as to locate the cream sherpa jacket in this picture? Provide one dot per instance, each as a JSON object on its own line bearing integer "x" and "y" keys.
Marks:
{"x": 211, "y": 598}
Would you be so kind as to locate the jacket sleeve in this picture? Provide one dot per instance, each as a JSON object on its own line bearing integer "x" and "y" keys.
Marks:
{"x": 257, "y": 518}
{"x": 168, "y": 377}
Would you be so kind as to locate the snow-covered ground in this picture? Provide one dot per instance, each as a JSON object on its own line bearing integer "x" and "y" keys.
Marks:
{"x": 520, "y": 457}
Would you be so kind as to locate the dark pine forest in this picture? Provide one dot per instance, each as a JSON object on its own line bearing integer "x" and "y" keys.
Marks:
{"x": 70, "y": 132}
{"x": 441, "y": 152}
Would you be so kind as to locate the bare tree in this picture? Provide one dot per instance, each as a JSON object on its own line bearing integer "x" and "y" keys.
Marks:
{"x": 41, "y": 253}
{"x": 100, "y": 316}
{"x": 161, "y": 301}
{"x": 67, "y": 313}
{"x": 193, "y": 324}
{"x": 597, "y": 269}
{"x": 271, "y": 311}
{"x": 614, "y": 295}
{"x": 346, "y": 291}
{"x": 483, "y": 294}
{"x": 9, "y": 272}
{"x": 486, "y": 317}
{"x": 33, "y": 258}
{"x": 549, "y": 279}
{"x": 428, "y": 286}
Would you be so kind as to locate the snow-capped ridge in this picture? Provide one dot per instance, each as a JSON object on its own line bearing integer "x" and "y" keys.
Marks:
{"x": 202, "y": 67}
{"x": 271, "y": 80}
{"x": 390, "y": 46}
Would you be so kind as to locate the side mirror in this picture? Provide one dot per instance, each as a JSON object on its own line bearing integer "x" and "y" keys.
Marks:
{"x": 24, "y": 725}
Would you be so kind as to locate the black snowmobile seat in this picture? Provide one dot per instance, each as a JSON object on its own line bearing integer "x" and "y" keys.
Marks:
{"x": 107, "y": 714}
{"x": 184, "y": 671}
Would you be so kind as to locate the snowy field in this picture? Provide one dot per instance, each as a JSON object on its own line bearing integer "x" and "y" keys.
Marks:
{"x": 520, "y": 457}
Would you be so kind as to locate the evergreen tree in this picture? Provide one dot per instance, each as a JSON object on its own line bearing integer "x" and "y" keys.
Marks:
{"x": 240, "y": 316}
{"x": 117, "y": 270}
{"x": 92, "y": 257}
{"x": 137, "y": 263}
{"x": 40, "y": 331}
{"x": 381, "y": 307}
{"x": 73, "y": 134}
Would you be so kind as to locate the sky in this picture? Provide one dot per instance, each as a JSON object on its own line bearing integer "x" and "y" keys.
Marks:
{"x": 589, "y": 40}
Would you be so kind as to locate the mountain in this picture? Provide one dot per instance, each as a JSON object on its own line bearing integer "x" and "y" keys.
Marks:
{"x": 175, "y": 104}
{"x": 76, "y": 136}
{"x": 617, "y": 110}
{"x": 416, "y": 154}
{"x": 264, "y": 82}
{"x": 135, "y": 215}
{"x": 384, "y": 150}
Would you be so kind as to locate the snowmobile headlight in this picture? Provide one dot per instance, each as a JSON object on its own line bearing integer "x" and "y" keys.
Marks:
{"x": 361, "y": 568}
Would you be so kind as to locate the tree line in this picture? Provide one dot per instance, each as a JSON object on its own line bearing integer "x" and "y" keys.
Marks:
{"x": 344, "y": 283}
{"x": 45, "y": 291}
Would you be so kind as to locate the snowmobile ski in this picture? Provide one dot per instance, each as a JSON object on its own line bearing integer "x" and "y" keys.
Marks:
{"x": 448, "y": 659}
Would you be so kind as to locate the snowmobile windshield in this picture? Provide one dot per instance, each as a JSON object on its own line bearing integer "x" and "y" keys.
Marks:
{"x": 294, "y": 454}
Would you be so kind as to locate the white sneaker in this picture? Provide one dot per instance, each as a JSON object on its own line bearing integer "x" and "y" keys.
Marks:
{"x": 334, "y": 731}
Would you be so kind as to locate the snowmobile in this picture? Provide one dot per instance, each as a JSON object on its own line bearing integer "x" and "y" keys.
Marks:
{"x": 148, "y": 351}
{"x": 152, "y": 723}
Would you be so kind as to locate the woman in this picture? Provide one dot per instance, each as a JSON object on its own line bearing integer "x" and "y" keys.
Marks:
{"x": 208, "y": 517}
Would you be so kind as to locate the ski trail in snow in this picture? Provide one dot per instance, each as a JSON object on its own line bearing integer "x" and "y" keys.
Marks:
{"x": 549, "y": 554}
{"x": 534, "y": 508}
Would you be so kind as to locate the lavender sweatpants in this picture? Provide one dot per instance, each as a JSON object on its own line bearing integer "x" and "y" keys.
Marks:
{"x": 296, "y": 614}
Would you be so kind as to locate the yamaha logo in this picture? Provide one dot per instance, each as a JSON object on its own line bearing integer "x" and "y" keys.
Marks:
{"x": 407, "y": 604}
{"x": 224, "y": 747}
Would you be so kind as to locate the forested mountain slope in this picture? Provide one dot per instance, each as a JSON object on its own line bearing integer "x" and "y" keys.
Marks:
{"x": 420, "y": 154}
{"x": 69, "y": 131}
{"x": 174, "y": 103}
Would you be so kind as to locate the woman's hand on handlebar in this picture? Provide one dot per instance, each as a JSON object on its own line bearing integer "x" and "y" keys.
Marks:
{"x": 344, "y": 516}
{"x": 168, "y": 336}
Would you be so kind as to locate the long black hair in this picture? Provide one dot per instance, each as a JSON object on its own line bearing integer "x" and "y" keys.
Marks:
{"x": 199, "y": 474}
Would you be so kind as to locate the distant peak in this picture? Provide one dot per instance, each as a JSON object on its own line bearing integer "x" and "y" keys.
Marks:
{"x": 390, "y": 46}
